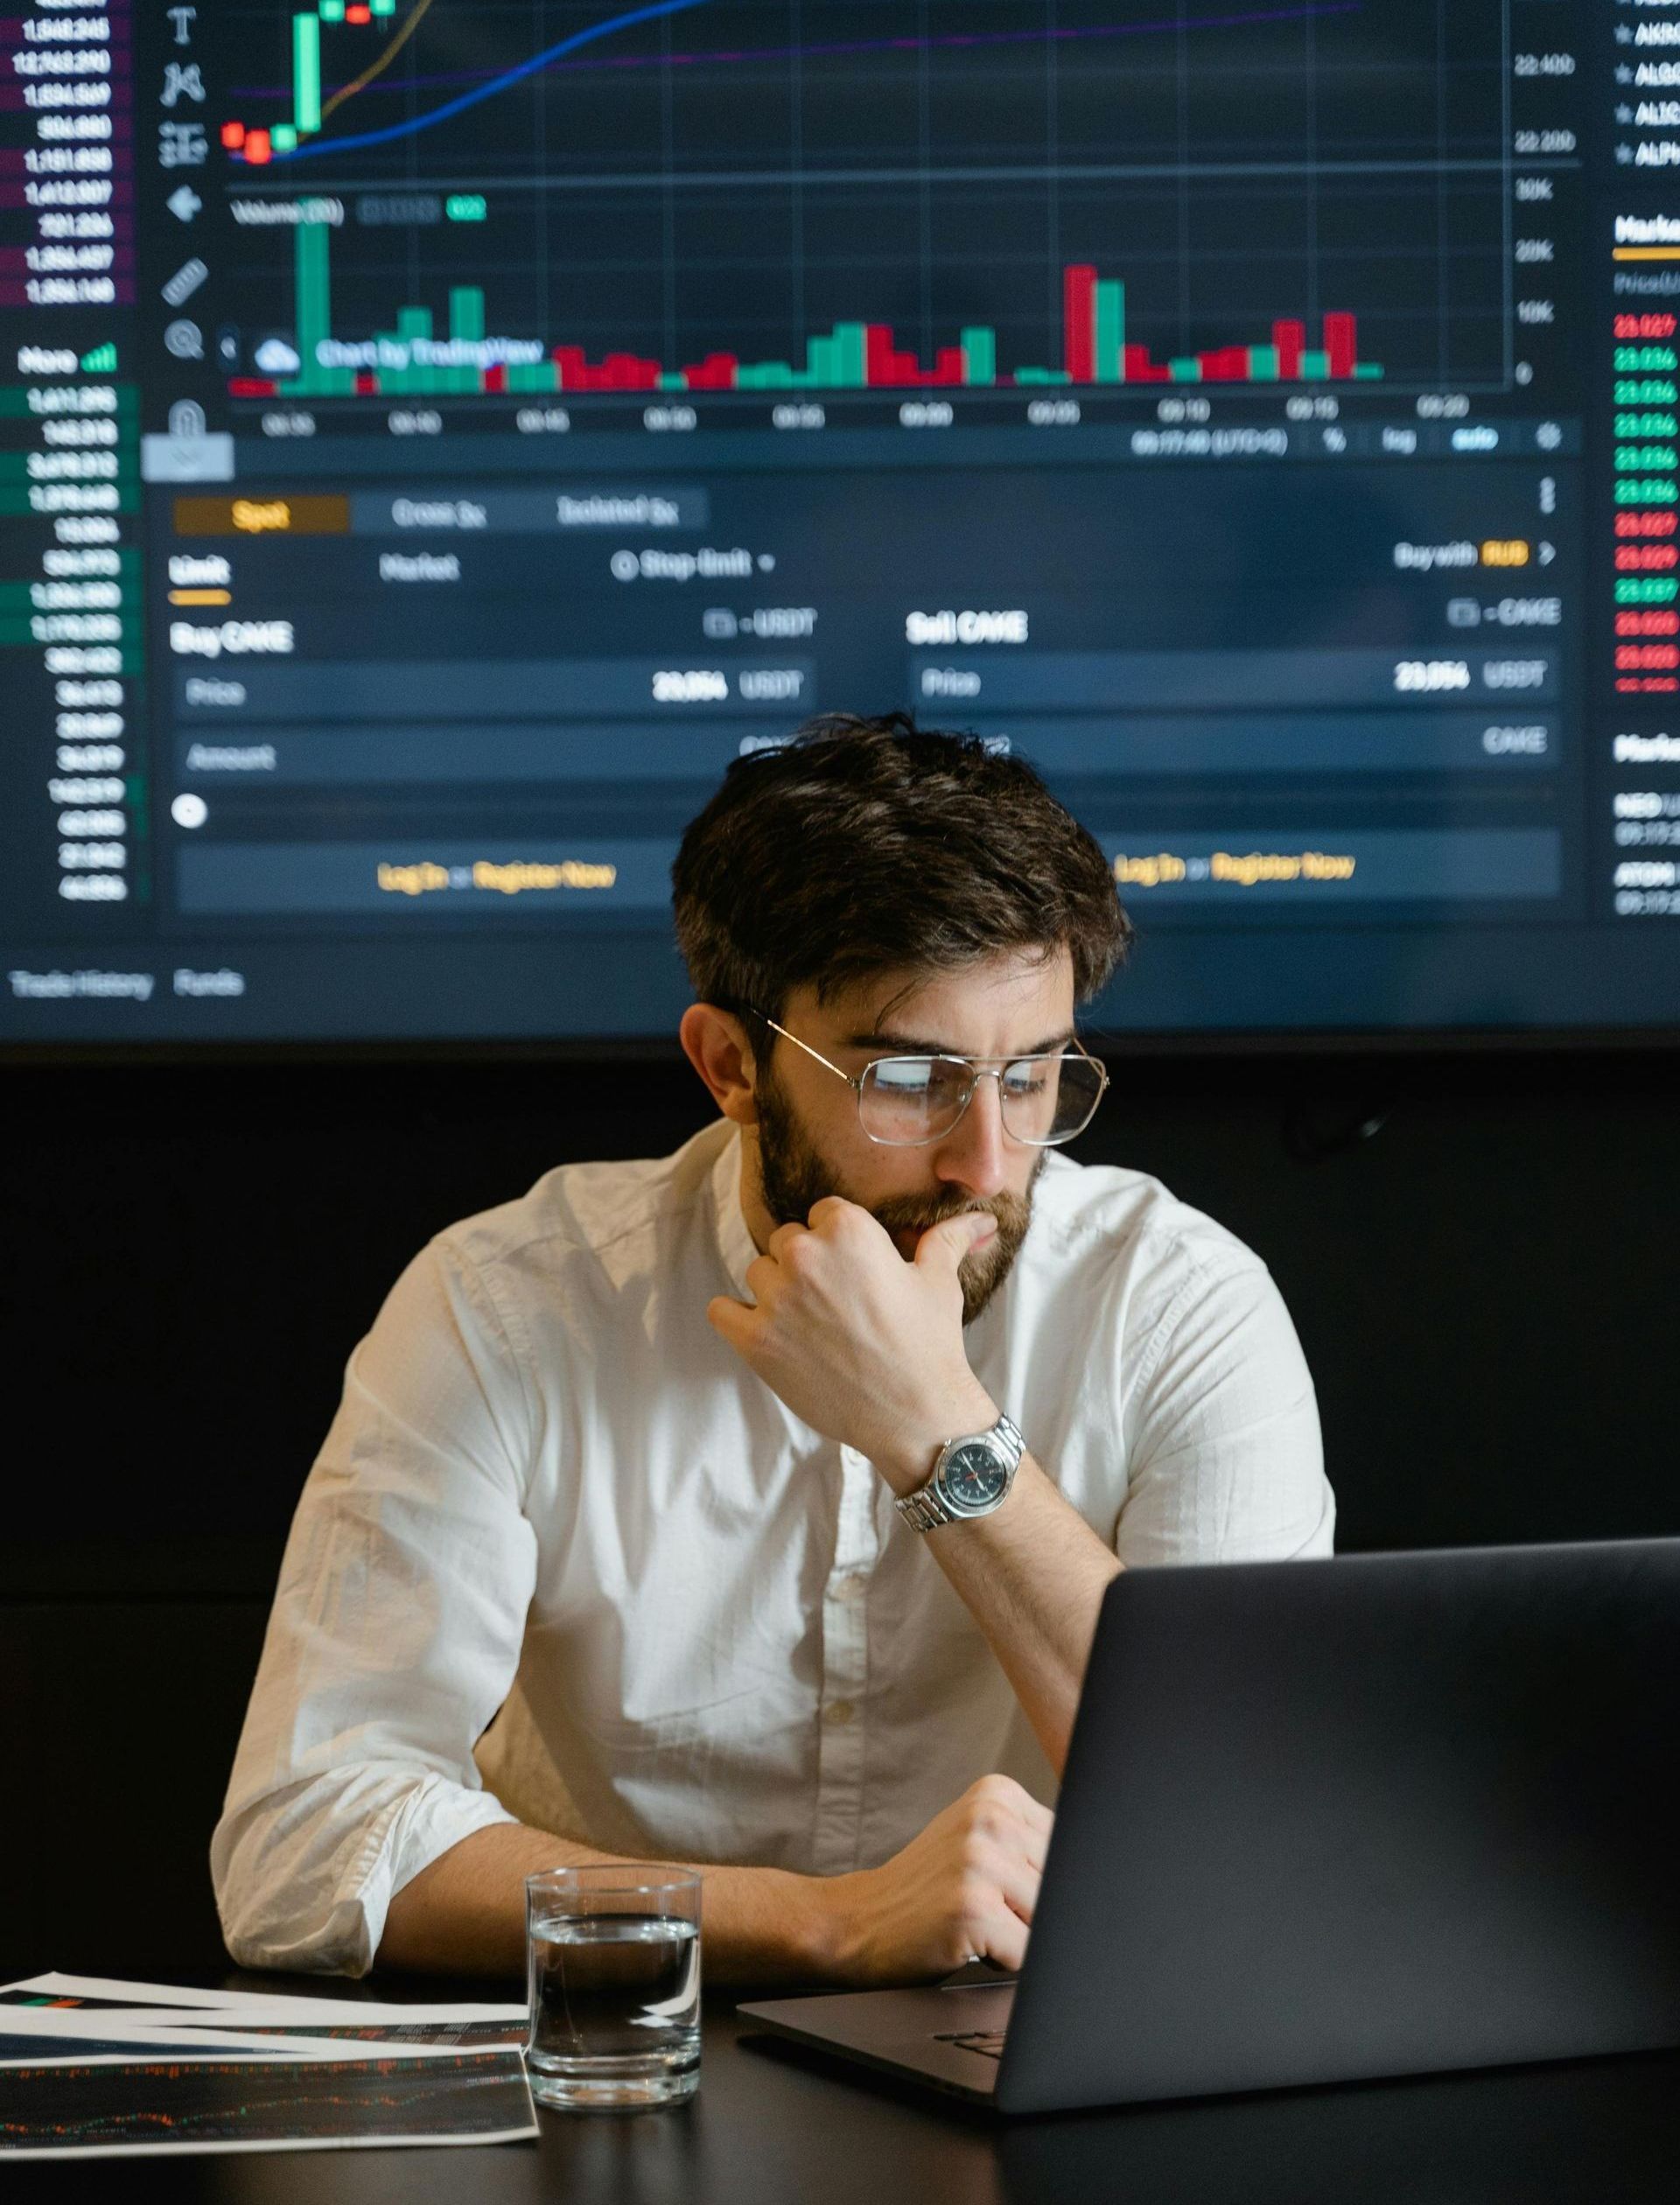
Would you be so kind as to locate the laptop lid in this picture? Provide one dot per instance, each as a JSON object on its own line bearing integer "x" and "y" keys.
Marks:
{"x": 1373, "y": 1817}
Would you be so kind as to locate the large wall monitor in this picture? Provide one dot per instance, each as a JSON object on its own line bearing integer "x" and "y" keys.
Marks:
{"x": 435, "y": 435}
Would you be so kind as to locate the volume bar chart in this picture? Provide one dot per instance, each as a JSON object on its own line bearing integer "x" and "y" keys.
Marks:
{"x": 409, "y": 358}
{"x": 1095, "y": 349}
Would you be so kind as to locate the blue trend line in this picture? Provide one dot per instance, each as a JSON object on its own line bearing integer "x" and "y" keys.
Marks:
{"x": 537, "y": 61}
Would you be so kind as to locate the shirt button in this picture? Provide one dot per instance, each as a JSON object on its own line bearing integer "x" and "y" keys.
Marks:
{"x": 838, "y": 1712}
{"x": 850, "y": 1588}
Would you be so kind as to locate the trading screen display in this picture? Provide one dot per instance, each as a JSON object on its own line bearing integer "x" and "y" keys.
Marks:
{"x": 438, "y": 436}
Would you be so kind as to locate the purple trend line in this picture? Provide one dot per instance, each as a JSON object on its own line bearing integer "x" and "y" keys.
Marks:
{"x": 842, "y": 47}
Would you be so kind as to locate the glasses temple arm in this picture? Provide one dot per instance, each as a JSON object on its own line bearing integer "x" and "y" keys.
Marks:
{"x": 810, "y": 1052}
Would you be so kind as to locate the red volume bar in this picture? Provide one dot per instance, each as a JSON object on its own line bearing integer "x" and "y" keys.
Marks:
{"x": 1079, "y": 323}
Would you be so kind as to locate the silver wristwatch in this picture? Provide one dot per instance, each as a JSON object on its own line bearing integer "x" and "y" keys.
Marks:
{"x": 971, "y": 1478}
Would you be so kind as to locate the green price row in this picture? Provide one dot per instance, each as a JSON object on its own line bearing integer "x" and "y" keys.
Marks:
{"x": 19, "y": 597}
{"x": 14, "y": 403}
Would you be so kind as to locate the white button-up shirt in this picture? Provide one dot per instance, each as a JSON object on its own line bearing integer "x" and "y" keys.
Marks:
{"x": 563, "y": 1558}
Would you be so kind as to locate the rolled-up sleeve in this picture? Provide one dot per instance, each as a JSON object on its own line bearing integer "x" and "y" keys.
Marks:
{"x": 1226, "y": 1459}
{"x": 394, "y": 1635}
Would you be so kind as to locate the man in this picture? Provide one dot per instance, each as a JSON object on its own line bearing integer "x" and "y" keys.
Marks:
{"x": 640, "y": 1532}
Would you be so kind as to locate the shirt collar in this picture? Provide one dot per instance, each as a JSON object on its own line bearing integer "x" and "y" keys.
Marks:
{"x": 735, "y": 1243}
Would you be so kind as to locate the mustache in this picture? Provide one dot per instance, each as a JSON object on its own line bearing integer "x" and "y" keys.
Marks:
{"x": 983, "y": 1270}
{"x": 918, "y": 1212}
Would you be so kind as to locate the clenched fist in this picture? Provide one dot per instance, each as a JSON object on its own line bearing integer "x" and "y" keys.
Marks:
{"x": 965, "y": 1887}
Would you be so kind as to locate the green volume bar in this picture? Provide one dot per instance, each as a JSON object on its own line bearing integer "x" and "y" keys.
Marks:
{"x": 821, "y": 370}
{"x": 314, "y": 313}
{"x": 851, "y": 356}
{"x": 306, "y": 71}
{"x": 466, "y": 322}
{"x": 411, "y": 321}
{"x": 1108, "y": 318}
{"x": 313, "y": 303}
{"x": 979, "y": 355}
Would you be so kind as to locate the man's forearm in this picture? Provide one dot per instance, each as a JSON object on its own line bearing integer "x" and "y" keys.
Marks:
{"x": 1033, "y": 1574}
{"x": 464, "y": 1913}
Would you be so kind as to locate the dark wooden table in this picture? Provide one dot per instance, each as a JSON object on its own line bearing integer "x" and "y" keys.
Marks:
{"x": 773, "y": 2125}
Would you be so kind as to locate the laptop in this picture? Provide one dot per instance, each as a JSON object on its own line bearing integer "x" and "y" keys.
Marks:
{"x": 1329, "y": 1821}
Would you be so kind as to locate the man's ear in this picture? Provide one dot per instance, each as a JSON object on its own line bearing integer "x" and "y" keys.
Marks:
{"x": 715, "y": 1043}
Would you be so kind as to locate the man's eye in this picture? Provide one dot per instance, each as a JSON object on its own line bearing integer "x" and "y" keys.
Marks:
{"x": 1022, "y": 1080}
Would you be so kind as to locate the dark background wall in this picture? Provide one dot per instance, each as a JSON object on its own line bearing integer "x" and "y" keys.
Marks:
{"x": 1485, "y": 1284}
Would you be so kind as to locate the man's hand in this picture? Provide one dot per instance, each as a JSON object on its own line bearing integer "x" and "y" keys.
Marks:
{"x": 861, "y": 1345}
{"x": 966, "y": 1887}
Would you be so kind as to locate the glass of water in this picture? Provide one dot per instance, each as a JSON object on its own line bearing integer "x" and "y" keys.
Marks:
{"x": 613, "y": 1965}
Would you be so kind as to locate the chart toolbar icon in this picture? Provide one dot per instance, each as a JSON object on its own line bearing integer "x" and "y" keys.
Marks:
{"x": 186, "y": 280}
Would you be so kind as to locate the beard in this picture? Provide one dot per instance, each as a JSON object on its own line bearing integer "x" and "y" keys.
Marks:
{"x": 793, "y": 1176}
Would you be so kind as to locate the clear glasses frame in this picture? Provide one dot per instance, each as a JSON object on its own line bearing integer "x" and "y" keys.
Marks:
{"x": 977, "y": 1069}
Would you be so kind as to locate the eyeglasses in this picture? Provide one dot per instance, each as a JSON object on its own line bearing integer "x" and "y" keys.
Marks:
{"x": 906, "y": 1101}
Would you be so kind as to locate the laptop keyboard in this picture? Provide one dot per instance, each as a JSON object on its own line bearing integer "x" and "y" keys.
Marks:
{"x": 988, "y": 2043}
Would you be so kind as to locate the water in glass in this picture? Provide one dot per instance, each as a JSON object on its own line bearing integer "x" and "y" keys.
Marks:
{"x": 615, "y": 2008}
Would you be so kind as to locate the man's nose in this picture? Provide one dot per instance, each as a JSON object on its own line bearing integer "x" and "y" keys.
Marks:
{"x": 975, "y": 1153}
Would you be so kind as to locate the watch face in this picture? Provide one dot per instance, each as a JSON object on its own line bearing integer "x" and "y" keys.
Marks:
{"x": 974, "y": 1477}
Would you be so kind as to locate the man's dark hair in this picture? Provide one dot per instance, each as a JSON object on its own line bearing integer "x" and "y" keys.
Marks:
{"x": 864, "y": 846}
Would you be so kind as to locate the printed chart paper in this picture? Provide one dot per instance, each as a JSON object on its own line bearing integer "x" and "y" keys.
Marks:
{"x": 91, "y": 2066}
{"x": 196, "y": 2106}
